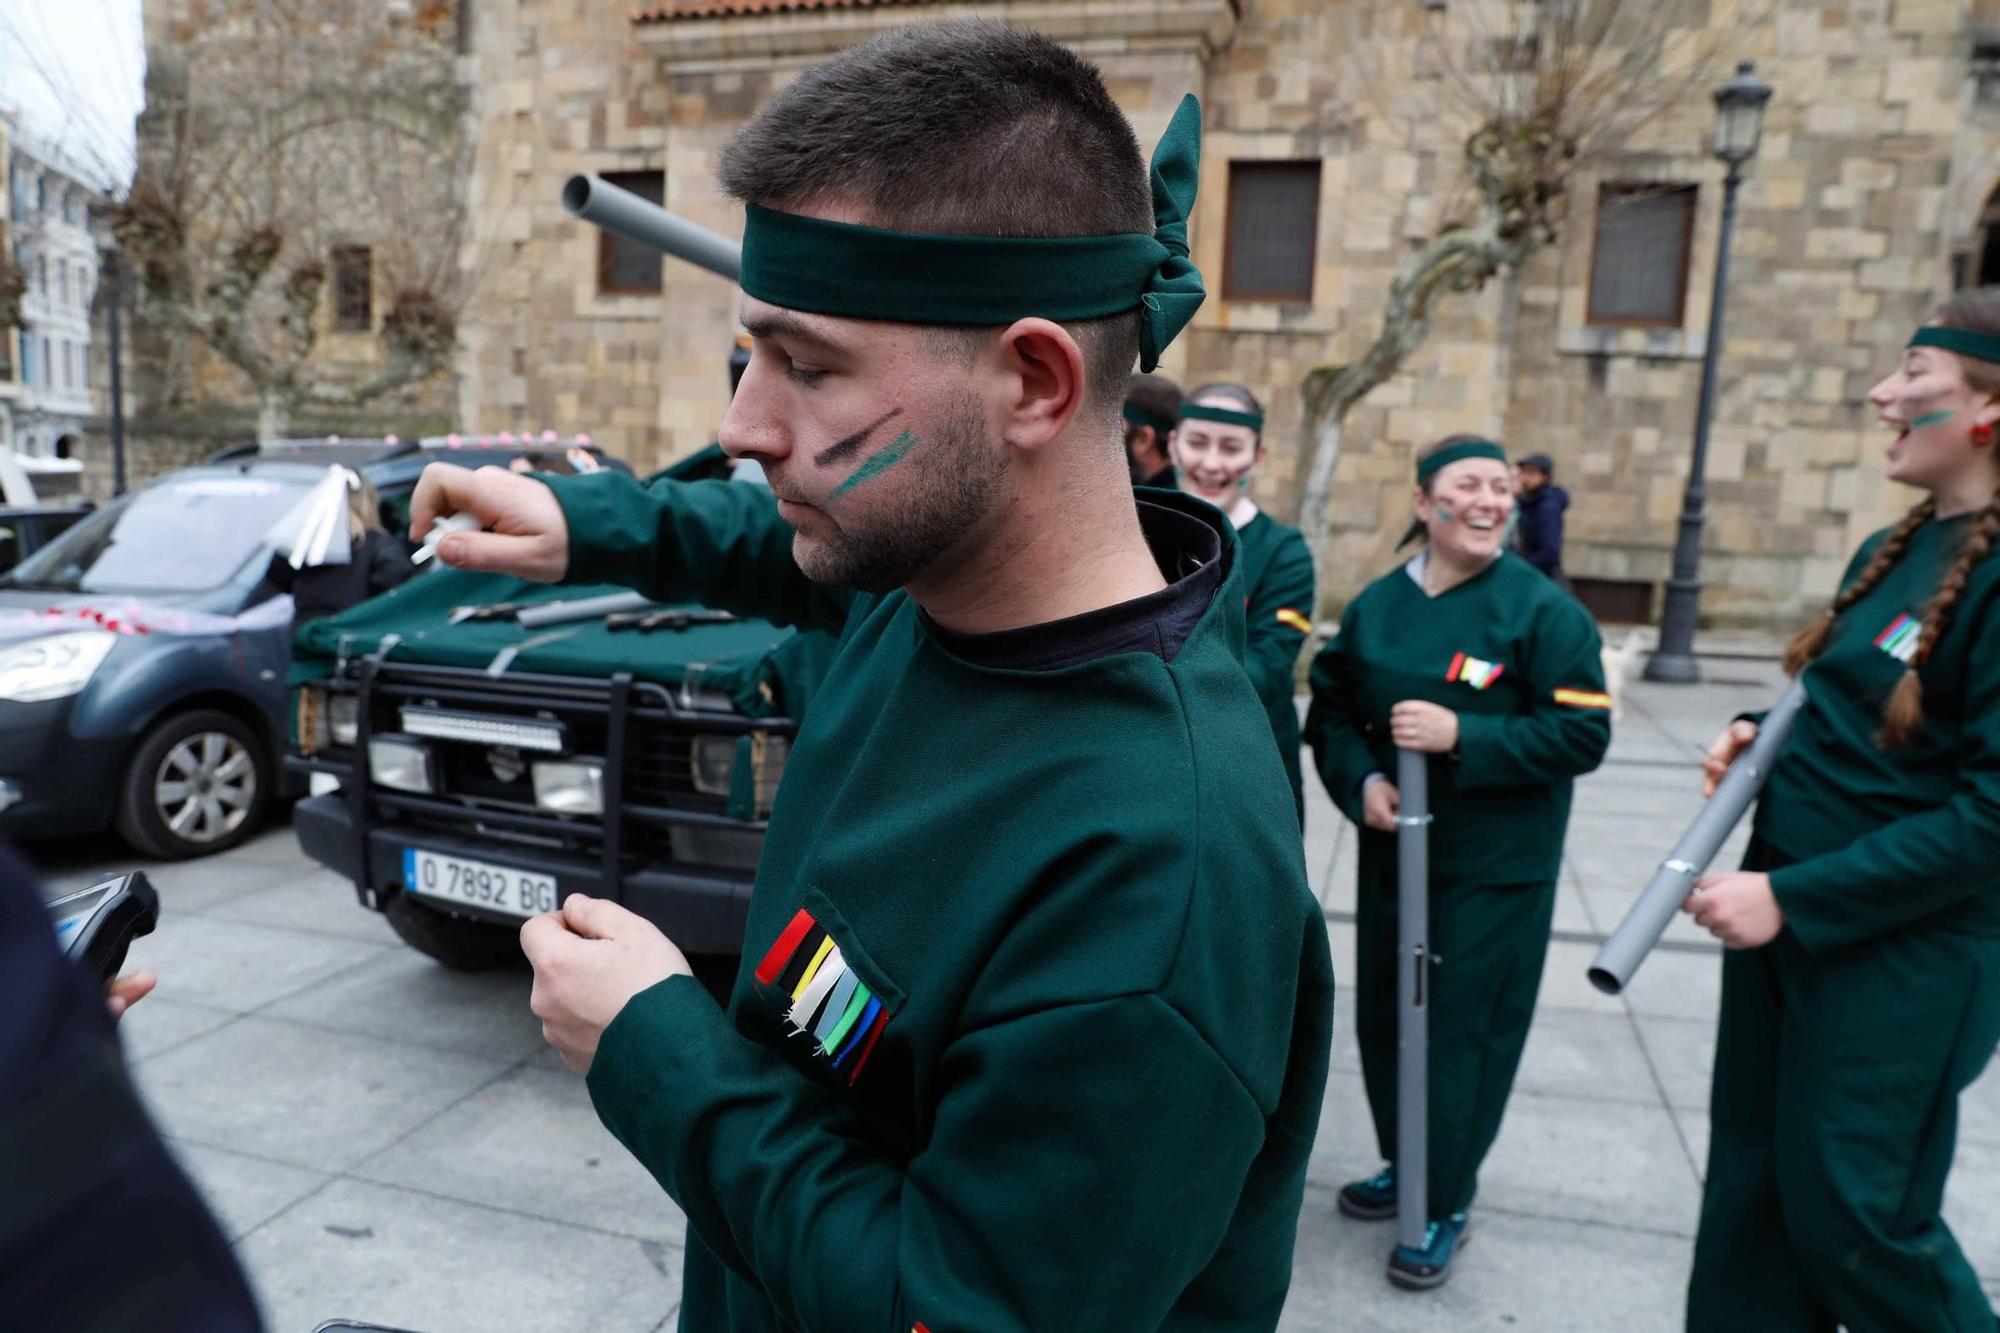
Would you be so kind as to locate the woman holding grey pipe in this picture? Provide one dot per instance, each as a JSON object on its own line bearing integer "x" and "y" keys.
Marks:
{"x": 1861, "y": 993}
{"x": 1469, "y": 654}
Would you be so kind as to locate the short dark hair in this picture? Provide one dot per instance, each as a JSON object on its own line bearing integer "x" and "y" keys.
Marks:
{"x": 1156, "y": 396}
{"x": 967, "y": 127}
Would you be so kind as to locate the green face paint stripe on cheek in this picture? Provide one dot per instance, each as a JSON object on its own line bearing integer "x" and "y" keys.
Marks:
{"x": 1931, "y": 418}
{"x": 1444, "y": 515}
{"x": 879, "y": 462}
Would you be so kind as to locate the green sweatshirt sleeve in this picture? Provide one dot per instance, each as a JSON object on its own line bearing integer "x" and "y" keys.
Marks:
{"x": 1279, "y": 607}
{"x": 1567, "y": 726}
{"x": 1333, "y": 727}
{"x": 1924, "y": 864}
{"x": 1082, "y": 1167}
{"x": 720, "y": 543}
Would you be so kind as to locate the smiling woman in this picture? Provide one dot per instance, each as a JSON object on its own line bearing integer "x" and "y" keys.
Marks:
{"x": 1216, "y": 446}
{"x": 1468, "y": 655}
{"x": 1862, "y": 986}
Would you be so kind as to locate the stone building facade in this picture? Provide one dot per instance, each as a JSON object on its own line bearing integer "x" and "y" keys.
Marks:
{"x": 184, "y": 400}
{"x": 1870, "y": 198}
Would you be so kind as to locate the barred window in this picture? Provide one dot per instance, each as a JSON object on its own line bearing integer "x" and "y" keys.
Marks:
{"x": 353, "y": 289}
{"x": 1639, "y": 266}
{"x": 625, "y": 267}
{"x": 1272, "y": 229}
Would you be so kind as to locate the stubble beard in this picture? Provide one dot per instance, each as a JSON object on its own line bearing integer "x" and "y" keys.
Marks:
{"x": 940, "y": 492}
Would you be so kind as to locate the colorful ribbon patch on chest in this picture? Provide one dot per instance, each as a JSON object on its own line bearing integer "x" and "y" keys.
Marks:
{"x": 1899, "y": 639}
{"x": 828, "y": 1001}
{"x": 1479, "y": 675}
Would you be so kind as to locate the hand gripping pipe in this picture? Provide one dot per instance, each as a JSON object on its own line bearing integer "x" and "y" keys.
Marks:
{"x": 1413, "y": 1038}
{"x": 595, "y": 200}
{"x": 1642, "y": 927}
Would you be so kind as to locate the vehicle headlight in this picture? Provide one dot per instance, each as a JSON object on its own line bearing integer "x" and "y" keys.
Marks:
{"x": 54, "y": 666}
{"x": 574, "y": 787}
{"x": 343, "y": 718}
{"x": 401, "y": 763}
{"x": 327, "y": 718}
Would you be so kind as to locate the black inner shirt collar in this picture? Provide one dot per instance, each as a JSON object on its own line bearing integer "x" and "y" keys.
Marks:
{"x": 1189, "y": 554}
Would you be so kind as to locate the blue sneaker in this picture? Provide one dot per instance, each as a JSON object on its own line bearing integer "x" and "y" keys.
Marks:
{"x": 1422, "y": 1269}
{"x": 1373, "y": 1199}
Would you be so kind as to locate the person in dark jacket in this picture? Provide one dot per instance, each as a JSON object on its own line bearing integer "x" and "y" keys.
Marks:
{"x": 1542, "y": 502}
{"x": 99, "y": 1228}
{"x": 379, "y": 563}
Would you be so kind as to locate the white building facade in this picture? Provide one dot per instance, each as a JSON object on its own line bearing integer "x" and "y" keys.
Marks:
{"x": 48, "y": 209}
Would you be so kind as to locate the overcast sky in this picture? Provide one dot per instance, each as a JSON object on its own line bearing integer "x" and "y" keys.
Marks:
{"x": 73, "y": 72}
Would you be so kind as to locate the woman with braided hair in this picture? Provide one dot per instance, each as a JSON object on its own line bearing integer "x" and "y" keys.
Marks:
{"x": 1861, "y": 990}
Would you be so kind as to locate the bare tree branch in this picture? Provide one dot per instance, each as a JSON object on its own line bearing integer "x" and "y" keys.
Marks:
{"x": 1548, "y": 86}
{"x": 282, "y": 132}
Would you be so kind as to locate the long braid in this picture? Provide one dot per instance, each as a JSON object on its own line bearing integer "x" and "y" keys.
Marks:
{"x": 1811, "y": 641}
{"x": 1903, "y": 715}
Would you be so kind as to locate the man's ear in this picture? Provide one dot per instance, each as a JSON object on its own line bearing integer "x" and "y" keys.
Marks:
{"x": 1039, "y": 381}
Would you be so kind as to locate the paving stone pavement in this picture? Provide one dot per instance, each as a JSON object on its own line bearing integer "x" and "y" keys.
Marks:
{"x": 388, "y": 1141}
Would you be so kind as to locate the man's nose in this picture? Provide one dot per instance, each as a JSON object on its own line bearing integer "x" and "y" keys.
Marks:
{"x": 754, "y": 426}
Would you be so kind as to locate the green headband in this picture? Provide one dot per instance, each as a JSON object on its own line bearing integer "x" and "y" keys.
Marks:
{"x": 1965, "y": 342}
{"x": 1139, "y": 416}
{"x": 1196, "y": 412}
{"x": 1444, "y": 458}
{"x": 837, "y": 268}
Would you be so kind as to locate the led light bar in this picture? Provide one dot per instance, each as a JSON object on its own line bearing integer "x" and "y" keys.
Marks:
{"x": 484, "y": 729}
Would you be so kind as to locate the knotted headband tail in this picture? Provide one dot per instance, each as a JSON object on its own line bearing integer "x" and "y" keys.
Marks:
{"x": 1174, "y": 291}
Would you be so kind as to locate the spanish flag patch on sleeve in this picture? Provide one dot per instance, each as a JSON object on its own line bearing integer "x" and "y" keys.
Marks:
{"x": 1287, "y": 616}
{"x": 1583, "y": 698}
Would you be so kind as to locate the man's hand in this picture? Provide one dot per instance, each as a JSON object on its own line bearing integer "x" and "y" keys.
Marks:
{"x": 1430, "y": 728}
{"x": 590, "y": 959}
{"x": 1379, "y": 803}
{"x": 529, "y": 536}
{"x": 127, "y": 991}
{"x": 1734, "y": 740}
{"x": 1737, "y": 907}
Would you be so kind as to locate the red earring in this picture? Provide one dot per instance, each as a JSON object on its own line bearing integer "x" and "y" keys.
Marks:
{"x": 1982, "y": 435}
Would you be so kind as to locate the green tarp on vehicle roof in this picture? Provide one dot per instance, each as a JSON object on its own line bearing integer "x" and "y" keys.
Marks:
{"x": 764, "y": 670}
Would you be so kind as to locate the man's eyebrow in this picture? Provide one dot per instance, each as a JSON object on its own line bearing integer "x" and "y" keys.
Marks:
{"x": 776, "y": 324}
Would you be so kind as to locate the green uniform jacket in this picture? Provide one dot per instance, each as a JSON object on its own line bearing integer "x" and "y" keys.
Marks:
{"x": 1082, "y": 1087}
{"x": 1881, "y": 839}
{"x": 1519, "y": 660}
{"x": 1277, "y": 616}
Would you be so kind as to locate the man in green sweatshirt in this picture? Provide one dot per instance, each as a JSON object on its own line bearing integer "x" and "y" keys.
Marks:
{"x": 1018, "y": 1043}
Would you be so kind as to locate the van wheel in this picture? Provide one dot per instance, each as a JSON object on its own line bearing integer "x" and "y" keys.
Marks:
{"x": 198, "y": 784}
{"x": 459, "y": 944}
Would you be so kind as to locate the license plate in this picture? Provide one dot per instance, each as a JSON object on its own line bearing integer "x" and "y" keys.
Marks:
{"x": 458, "y": 879}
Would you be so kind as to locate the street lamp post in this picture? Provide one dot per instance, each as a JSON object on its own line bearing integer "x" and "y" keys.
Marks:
{"x": 1739, "y": 124}
{"x": 112, "y": 274}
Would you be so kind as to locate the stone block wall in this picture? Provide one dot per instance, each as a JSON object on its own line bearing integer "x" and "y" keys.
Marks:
{"x": 1879, "y": 156}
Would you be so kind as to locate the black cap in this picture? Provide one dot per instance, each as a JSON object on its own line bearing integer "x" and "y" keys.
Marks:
{"x": 1541, "y": 463}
